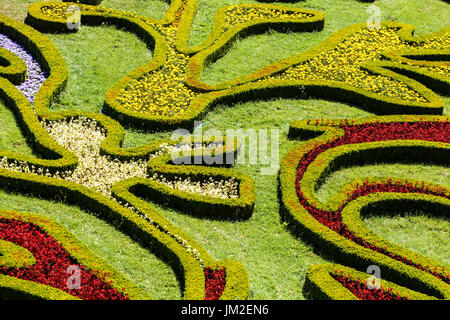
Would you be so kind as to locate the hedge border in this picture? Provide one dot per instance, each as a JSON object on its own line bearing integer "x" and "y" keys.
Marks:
{"x": 205, "y": 206}
{"x": 200, "y": 104}
{"x": 342, "y": 249}
{"x": 406, "y": 33}
{"x": 218, "y": 38}
{"x": 133, "y": 22}
{"x": 76, "y": 250}
{"x": 53, "y": 63}
{"x": 322, "y": 286}
{"x": 89, "y": 2}
{"x": 336, "y": 90}
{"x": 15, "y": 70}
{"x": 18, "y": 289}
{"x": 351, "y": 217}
{"x": 245, "y": 88}
{"x": 190, "y": 273}
{"x": 14, "y": 256}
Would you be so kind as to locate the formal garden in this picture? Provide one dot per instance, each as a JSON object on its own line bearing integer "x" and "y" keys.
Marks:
{"x": 224, "y": 149}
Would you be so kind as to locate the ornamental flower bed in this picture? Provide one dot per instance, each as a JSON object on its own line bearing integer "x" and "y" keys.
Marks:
{"x": 365, "y": 133}
{"x": 107, "y": 180}
{"x": 386, "y": 70}
{"x": 343, "y": 63}
{"x": 35, "y": 75}
{"x": 346, "y": 143}
{"x": 363, "y": 292}
{"x": 52, "y": 262}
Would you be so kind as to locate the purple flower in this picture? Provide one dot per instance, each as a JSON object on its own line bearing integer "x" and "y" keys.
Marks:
{"x": 35, "y": 75}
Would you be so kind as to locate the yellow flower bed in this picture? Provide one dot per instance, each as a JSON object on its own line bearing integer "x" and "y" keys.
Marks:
{"x": 55, "y": 11}
{"x": 241, "y": 14}
{"x": 343, "y": 63}
{"x": 161, "y": 92}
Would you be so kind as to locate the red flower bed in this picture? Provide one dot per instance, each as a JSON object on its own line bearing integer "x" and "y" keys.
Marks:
{"x": 362, "y": 291}
{"x": 52, "y": 262}
{"x": 370, "y": 132}
{"x": 214, "y": 283}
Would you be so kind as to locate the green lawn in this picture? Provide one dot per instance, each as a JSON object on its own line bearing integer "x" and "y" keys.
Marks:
{"x": 274, "y": 258}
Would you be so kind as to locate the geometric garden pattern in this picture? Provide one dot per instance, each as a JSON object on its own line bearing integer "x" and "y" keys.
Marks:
{"x": 385, "y": 70}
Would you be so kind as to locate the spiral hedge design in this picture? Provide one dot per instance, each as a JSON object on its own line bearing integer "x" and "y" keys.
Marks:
{"x": 396, "y": 74}
{"x": 336, "y": 226}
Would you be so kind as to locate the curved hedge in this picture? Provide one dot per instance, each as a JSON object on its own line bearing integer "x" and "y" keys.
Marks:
{"x": 13, "y": 288}
{"x": 144, "y": 225}
{"x": 179, "y": 16}
{"x": 321, "y": 284}
{"x": 269, "y": 81}
{"x": 12, "y": 67}
{"x": 335, "y": 226}
{"x": 172, "y": 33}
{"x": 90, "y": 2}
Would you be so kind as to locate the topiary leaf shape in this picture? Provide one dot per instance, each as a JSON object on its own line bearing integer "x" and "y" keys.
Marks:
{"x": 348, "y": 67}
{"x": 169, "y": 92}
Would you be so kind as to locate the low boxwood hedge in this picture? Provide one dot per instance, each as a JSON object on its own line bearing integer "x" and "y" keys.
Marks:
{"x": 398, "y": 265}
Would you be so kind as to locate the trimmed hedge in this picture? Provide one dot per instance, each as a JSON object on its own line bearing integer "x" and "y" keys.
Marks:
{"x": 159, "y": 235}
{"x": 145, "y": 28}
{"x": 341, "y": 248}
{"x": 201, "y": 205}
{"x": 18, "y": 289}
{"x": 90, "y": 2}
{"x": 12, "y": 67}
{"x": 240, "y": 208}
{"x": 320, "y": 284}
{"x": 414, "y": 61}
{"x": 246, "y": 88}
{"x": 13, "y": 288}
{"x": 256, "y": 87}
{"x": 242, "y": 89}
{"x": 14, "y": 256}
{"x": 221, "y": 38}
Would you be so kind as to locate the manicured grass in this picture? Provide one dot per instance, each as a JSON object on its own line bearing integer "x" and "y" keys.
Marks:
{"x": 274, "y": 258}
{"x": 418, "y": 231}
{"x": 94, "y": 66}
{"x": 11, "y": 137}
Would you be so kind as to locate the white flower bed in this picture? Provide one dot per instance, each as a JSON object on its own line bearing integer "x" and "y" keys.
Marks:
{"x": 83, "y": 137}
